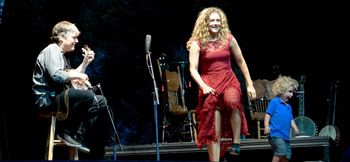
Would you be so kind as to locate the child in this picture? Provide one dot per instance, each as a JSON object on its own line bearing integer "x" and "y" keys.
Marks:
{"x": 279, "y": 118}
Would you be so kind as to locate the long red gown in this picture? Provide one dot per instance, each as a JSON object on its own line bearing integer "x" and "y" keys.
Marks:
{"x": 216, "y": 71}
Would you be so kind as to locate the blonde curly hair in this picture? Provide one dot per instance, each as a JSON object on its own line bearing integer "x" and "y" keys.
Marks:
{"x": 282, "y": 84}
{"x": 201, "y": 28}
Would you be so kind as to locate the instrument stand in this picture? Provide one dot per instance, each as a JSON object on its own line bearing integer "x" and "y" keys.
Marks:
{"x": 175, "y": 132}
{"x": 189, "y": 115}
{"x": 169, "y": 130}
{"x": 155, "y": 100}
{"x": 191, "y": 125}
{"x": 172, "y": 132}
{"x": 179, "y": 132}
{"x": 164, "y": 127}
{"x": 112, "y": 122}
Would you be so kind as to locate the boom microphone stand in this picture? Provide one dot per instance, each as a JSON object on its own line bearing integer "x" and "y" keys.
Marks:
{"x": 155, "y": 93}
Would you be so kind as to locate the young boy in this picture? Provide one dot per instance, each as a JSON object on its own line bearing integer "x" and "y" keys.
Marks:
{"x": 279, "y": 118}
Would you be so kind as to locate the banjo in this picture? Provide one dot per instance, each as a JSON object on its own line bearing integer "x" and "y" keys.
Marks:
{"x": 331, "y": 130}
{"x": 306, "y": 126}
{"x": 87, "y": 84}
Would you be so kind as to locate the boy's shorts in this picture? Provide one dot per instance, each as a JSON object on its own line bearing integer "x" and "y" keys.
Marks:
{"x": 280, "y": 147}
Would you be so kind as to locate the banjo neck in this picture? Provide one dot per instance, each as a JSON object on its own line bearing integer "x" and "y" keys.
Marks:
{"x": 332, "y": 99}
{"x": 301, "y": 96}
{"x": 305, "y": 124}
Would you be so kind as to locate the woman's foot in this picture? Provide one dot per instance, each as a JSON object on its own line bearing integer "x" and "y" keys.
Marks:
{"x": 235, "y": 149}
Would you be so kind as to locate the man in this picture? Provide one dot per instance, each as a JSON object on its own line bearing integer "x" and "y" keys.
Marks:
{"x": 65, "y": 91}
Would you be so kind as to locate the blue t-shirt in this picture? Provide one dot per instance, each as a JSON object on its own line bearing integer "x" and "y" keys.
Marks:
{"x": 281, "y": 118}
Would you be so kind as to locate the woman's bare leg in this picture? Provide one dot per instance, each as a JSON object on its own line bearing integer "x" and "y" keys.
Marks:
{"x": 235, "y": 121}
{"x": 214, "y": 147}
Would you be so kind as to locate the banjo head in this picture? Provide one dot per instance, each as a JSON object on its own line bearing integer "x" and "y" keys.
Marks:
{"x": 330, "y": 131}
{"x": 306, "y": 126}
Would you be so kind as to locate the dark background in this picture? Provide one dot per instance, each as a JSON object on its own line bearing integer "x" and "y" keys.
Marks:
{"x": 298, "y": 37}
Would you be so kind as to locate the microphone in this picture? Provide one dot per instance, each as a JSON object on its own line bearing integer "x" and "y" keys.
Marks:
{"x": 147, "y": 43}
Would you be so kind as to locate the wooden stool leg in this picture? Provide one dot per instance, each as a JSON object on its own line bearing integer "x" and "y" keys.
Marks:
{"x": 52, "y": 142}
{"x": 50, "y": 139}
{"x": 259, "y": 129}
{"x": 73, "y": 154}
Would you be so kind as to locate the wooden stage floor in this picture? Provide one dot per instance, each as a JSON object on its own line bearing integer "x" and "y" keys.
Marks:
{"x": 317, "y": 148}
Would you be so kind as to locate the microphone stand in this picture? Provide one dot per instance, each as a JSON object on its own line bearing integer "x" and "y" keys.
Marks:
{"x": 155, "y": 99}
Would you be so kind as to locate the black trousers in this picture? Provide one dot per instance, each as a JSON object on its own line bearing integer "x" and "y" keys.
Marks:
{"x": 88, "y": 120}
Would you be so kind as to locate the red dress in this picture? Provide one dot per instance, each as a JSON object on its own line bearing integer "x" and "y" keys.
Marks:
{"x": 216, "y": 71}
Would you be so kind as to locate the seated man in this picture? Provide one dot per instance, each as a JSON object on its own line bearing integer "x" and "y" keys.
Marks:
{"x": 59, "y": 88}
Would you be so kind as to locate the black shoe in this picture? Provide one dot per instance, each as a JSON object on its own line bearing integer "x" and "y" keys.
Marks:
{"x": 235, "y": 149}
{"x": 83, "y": 148}
{"x": 68, "y": 140}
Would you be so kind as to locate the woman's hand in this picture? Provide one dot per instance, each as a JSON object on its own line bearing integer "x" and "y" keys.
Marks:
{"x": 251, "y": 92}
{"x": 208, "y": 90}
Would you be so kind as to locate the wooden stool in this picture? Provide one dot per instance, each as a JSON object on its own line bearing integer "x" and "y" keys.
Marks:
{"x": 51, "y": 142}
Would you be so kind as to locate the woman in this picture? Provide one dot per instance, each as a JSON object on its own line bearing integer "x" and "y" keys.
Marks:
{"x": 219, "y": 110}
